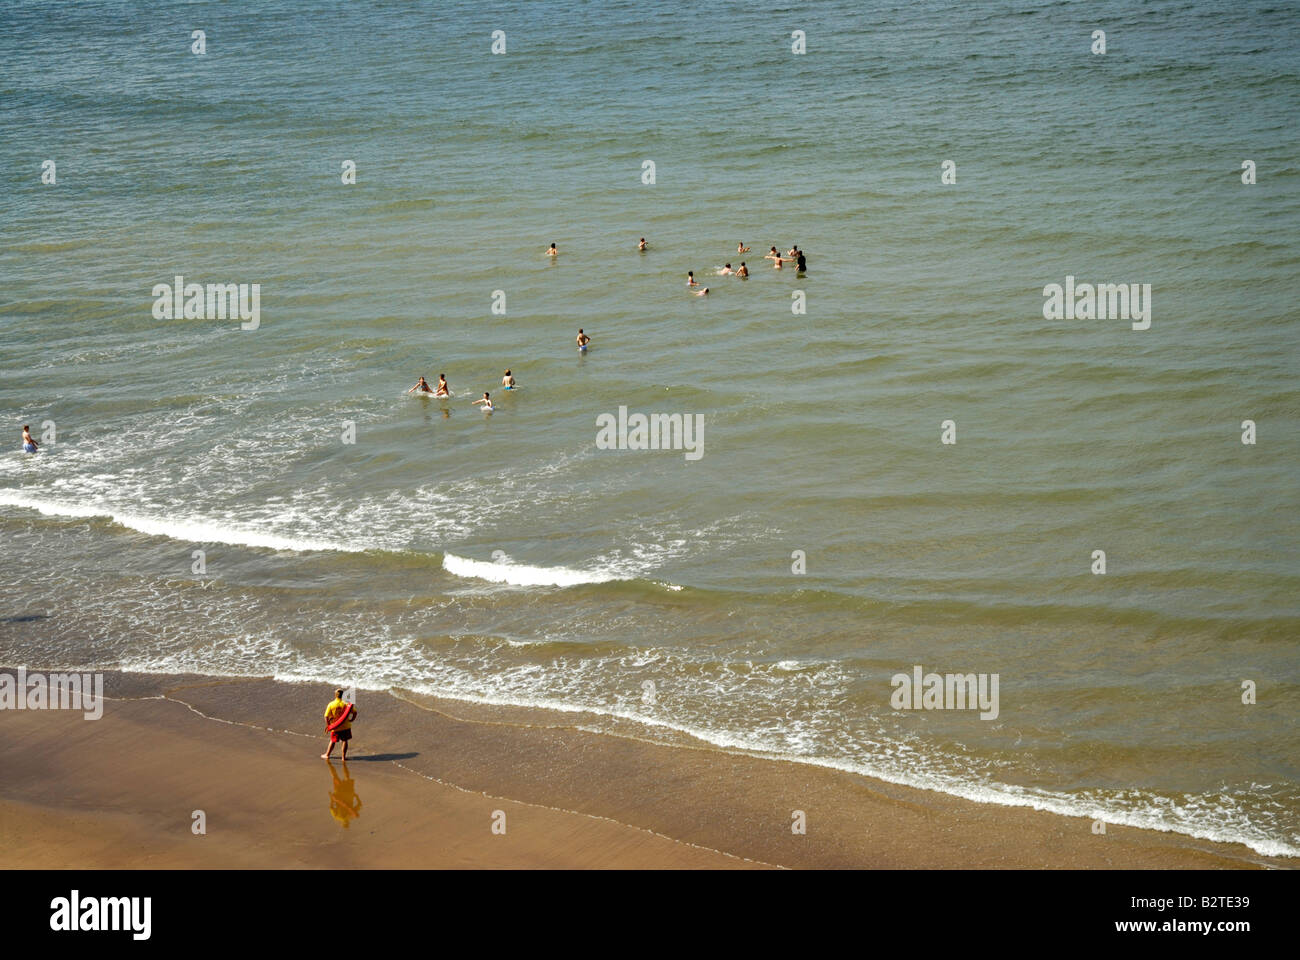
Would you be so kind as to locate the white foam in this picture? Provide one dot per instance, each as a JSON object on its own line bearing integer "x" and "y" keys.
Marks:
{"x": 189, "y": 531}
{"x": 522, "y": 575}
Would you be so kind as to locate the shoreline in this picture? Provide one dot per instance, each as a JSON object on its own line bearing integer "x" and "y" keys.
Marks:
{"x": 427, "y": 777}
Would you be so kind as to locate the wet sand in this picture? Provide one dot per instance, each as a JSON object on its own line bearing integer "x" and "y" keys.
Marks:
{"x": 425, "y": 778}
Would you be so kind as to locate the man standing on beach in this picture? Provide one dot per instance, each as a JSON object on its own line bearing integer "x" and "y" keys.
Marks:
{"x": 338, "y": 721}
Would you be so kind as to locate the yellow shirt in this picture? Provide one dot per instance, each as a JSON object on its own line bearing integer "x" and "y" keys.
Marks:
{"x": 334, "y": 709}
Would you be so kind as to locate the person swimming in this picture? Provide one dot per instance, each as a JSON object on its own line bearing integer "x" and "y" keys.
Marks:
{"x": 552, "y": 252}
{"x": 794, "y": 249}
{"x": 725, "y": 271}
{"x": 422, "y": 386}
{"x": 772, "y": 255}
{"x": 486, "y": 401}
{"x": 29, "y": 443}
{"x": 508, "y": 381}
{"x": 703, "y": 292}
{"x": 741, "y": 248}
{"x": 743, "y": 271}
{"x": 690, "y": 279}
{"x": 641, "y": 245}
{"x": 443, "y": 390}
{"x": 583, "y": 340}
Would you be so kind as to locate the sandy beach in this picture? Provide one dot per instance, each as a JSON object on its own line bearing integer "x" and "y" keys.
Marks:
{"x": 426, "y": 779}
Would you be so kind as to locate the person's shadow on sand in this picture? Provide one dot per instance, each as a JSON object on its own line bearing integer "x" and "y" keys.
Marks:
{"x": 386, "y": 757}
{"x": 345, "y": 805}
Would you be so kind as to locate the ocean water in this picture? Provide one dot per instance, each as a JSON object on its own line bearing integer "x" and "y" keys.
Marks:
{"x": 505, "y": 558}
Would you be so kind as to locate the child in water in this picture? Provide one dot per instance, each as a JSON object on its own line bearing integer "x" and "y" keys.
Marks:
{"x": 508, "y": 381}
{"x": 443, "y": 390}
{"x": 422, "y": 386}
{"x": 486, "y": 401}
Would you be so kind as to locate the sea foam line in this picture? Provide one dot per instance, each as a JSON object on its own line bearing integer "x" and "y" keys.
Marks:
{"x": 190, "y": 531}
{"x": 522, "y": 575}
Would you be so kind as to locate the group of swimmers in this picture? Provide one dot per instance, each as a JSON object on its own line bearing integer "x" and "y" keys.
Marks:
{"x": 443, "y": 391}
{"x": 793, "y": 255}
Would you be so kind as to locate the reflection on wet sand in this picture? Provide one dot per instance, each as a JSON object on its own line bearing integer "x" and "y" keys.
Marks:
{"x": 345, "y": 805}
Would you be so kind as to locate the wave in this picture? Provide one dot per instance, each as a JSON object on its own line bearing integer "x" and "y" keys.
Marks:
{"x": 191, "y": 531}
{"x": 208, "y": 531}
{"x": 522, "y": 575}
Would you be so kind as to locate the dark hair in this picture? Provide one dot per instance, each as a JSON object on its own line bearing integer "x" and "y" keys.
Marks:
{"x": 338, "y": 694}
{"x": 728, "y": 265}
{"x": 27, "y": 426}
{"x": 507, "y": 373}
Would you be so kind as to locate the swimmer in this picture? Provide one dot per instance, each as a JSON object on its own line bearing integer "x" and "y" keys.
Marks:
{"x": 803, "y": 264}
{"x": 422, "y": 386}
{"x": 583, "y": 340}
{"x": 794, "y": 249}
{"x": 552, "y": 252}
{"x": 772, "y": 255}
{"x": 29, "y": 444}
{"x": 443, "y": 390}
{"x": 703, "y": 293}
{"x": 641, "y": 245}
{"x": 690, "y": 279}
{"x": 725, "y": 271}
{"x": 743, "y": 271}
{"x": 508, "y": 381}
{"x": 486, "y": 401}
{"x": 741, "y": 248}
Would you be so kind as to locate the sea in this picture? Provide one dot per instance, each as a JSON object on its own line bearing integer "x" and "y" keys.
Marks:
{"x": 906, "y": 460}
